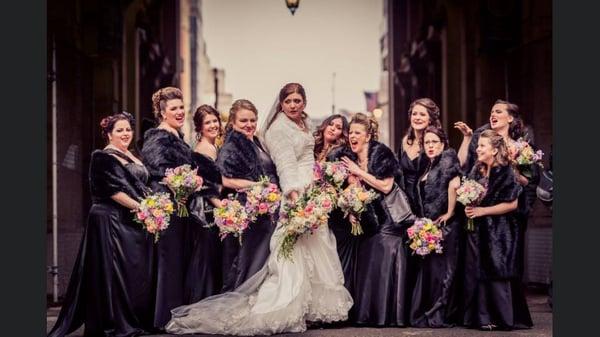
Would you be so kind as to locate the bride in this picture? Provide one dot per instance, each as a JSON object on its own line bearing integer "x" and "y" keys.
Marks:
{"x": 285, "y": 293}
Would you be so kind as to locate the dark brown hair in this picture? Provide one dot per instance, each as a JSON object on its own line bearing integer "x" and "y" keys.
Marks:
{"x": 516, "y": 127}
{"x": 320, "y": 139}
{"x": 438, "y": 132}
{"x": 160, "y": 98}
{"x": 370, "y": 124}
{"x": 107, "y": 124}
{"x": 434, "y": 117}
{"x": 201, "y": 113}
{"x": 287, "y": 90}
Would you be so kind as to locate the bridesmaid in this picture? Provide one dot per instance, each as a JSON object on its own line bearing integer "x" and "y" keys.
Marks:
{"x": 330, "y": 135}
{"x": 204, "y": 274}
{"x": 494, "y": 297}
{"x": 242, "y": 161}
{"x": 331, "y": 143}
{"x": 422, "y": 113}
{"x": 380, "y": 288}
{"x": 164, "y": 148}
{"x": 434, "y": 296}
{"x": 505, "y": 120}
{"x": 110, "y": 286}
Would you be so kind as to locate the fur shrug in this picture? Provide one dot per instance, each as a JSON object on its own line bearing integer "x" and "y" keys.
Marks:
{"x": 109, "y": 176}
{"x": 238, "y": 158}
{"x": 498, "y": 235}
{"x": 163, "y": 150}
{"x": 434, "y": 202}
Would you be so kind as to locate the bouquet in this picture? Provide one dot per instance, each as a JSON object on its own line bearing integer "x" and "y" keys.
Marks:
{"x": 262, "y": 198}
{"x": 353, "y": 201}
{"x": 425, "y": 237}
{"x": 523, "y": 155}
{"x": 306, "y": 215}
{"x": 231, "y": 218}
{"x": 154, "y": 213}
{"x": 183, "y": 181}
{"x": 470, "y": 193}
{"x": 333, "y": 173}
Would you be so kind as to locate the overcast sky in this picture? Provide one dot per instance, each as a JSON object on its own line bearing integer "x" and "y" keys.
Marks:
{"x": 262, "y": 46}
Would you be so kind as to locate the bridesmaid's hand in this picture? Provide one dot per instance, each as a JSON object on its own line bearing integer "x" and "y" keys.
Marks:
{"x": 474, "y": 212}
{"x": 464, "y": 129}
{"x": 442, "y": 219}
{"x": 352, "y": 167}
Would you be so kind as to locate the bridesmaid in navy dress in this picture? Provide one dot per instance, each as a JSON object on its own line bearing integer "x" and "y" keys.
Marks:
{"x": 204, "y": 274}
{"x": 242, "y": 161}
{"x": 380, "y": 284}
{"x": 164, "y": 148}
{"x": 110, "y": 286}
{"x": 494, "y": 297}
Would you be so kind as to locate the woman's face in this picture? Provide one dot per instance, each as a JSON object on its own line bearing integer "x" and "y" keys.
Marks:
{"x": 210, "y": 127}
{"x": 245, "y": 122}
{"x": 419, "y": 118}
{"x": 499, "y": 117}
{"x": 358, "y": 137}
{"x": 174, "y": 115}
{"x": 485, "y": 151}
{"x": 433, "y": 145}
{"x": 121, "y": 135}
{"x": 293, "y": 106}
{"x": 333, "y": 131}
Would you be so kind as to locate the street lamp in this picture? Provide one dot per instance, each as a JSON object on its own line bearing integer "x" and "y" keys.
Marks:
{"x": 292, "y": 5}
{"x": 377, "y": 113}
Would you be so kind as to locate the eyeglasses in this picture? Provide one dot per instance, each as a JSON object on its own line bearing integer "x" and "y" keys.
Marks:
{"x": 432, "y": 142}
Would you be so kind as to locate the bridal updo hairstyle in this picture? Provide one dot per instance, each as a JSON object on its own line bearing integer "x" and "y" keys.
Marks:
{"x": 160, "y": 98}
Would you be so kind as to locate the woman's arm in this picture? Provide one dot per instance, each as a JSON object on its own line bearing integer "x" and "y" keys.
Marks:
{"x": 236, "y": 183}
{"x": 498, "y": 209}
{"x": 124, "y": 200}
{"x": 216, "y": 202}
{"x": 452, "y": 187}
{"x": 384, "y": 185}
{"x": 463, "y": 150}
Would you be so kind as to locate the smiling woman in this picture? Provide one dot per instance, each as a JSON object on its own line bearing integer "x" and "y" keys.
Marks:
{"x": 110, "y": 286}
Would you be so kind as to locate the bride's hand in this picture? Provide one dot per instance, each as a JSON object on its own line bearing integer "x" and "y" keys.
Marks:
{"x": 352, "y": 167}
{"x": 292, "y": 197}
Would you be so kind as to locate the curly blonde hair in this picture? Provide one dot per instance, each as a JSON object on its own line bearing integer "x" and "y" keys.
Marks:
{"x": 369, "y": 123}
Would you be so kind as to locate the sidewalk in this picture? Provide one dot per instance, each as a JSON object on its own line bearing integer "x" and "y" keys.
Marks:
{"x": 538, "y": 306}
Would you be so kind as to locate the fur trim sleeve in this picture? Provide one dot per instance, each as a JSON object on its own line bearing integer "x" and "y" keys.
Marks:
{"x": 109, "y": 177}
{"x": 382, "y": 161}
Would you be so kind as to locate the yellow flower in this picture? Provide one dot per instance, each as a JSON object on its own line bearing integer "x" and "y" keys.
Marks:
{"x": 151, "y": 203}
{"x": 362, "y": 196}
{"x": 272, "y": 197}
{"x": 169, "y": 208}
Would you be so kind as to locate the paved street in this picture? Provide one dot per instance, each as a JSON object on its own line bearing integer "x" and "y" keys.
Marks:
{"x": 540, "y": 311}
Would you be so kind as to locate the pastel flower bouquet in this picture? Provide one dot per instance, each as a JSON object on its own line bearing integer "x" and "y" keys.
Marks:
{"x": 425, "y": 237}
{"x": 333, "y": 173}
{"x": 353, "y": 201}
{"x": 154, "y": 213}
{"x": 183, "y": 181}
{"x": 524, "y": 156}
{"x": 231, "y": 218}
{"x": 306, "y": 215}
{"x": 262, "y": 198}
{"x": 470, "y": 193}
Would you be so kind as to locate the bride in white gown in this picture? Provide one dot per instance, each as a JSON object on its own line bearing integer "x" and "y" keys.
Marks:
{"x": 284, "y": 294}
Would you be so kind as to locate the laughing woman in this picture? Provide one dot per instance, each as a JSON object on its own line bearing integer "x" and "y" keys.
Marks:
{"x": 164, "y": 148}
{"x": 110, "y": 286}
{"x": 494, "y": 297}
{"x": 380, "y": 285}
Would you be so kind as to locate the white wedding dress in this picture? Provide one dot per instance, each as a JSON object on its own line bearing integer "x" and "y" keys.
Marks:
{"x": 284, "y": 294}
